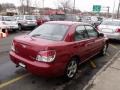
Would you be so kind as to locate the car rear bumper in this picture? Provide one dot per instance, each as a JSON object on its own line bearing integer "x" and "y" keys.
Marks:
{"x": 39, "y": 68}
{"x": 113, "y": 35}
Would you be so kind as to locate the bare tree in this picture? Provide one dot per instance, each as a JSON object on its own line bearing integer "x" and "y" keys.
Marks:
{"x": 28, "y": 6}
{"x": 22, "y": 6}
{"x": 65, "y": 5}
{"x": 25, "y": 6}
{"x": 1, "y": 8}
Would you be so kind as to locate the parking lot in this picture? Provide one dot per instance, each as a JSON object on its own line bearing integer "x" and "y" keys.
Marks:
{"x": 12, "y": 78}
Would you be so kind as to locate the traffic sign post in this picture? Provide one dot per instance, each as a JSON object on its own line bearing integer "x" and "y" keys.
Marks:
{"x": 96, "y": 8}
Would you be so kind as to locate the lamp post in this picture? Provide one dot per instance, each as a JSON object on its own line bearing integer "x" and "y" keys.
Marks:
{"x": 118, "y": 9}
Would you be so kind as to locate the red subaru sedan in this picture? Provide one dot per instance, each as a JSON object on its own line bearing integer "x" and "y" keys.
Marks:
{"x": 56, "y": 48}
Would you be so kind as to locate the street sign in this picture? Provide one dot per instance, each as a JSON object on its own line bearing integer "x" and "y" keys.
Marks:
{"x": 96, "y": 8}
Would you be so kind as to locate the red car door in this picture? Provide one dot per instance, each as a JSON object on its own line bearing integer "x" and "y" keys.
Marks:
{"x": 96, "y": 42}
{"x": 82, "y": 43}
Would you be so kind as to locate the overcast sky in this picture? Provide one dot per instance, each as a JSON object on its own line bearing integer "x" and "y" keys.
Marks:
{"x": 83, "y": 5}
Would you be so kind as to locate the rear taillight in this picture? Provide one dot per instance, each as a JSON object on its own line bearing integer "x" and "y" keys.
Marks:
{"x": 118, "y": 30}
{"x": 97, "y": 28}
{"x": 13, "y": 46}
{"x": 46, "y": 56}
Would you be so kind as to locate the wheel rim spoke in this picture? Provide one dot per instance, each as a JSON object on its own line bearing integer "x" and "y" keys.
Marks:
{"x": 72, "y": 67}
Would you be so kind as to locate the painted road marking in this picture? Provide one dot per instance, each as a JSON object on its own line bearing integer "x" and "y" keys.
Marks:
{"x": 13, "y": 80}
{"x": 113, "y": 46}
{"x": 107, "y": 54}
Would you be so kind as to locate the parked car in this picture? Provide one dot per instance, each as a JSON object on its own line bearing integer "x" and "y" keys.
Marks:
{"x": 9, "y": 22}
{"x": 94, "y": 20}
{"x": 56, "y": 48}
{"x": 57, "y": 17}
{"x": 26, "y": 21}
{"x": 111, "y": 28}
{"x": 72, "y": 17}
{"x": 42, "y": 19}
{"x": 3, "y": 27}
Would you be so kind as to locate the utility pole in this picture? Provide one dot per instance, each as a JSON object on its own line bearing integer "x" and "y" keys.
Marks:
{"x": 28, "y": 7}
{"x": 118, "y": 9}
{"x": 113, "y": 10}
{"x": 74, "y": 7}
{"x": 108, "y": 9}
{"x": 43, "y": 6}
{"x": 22, "y": 6}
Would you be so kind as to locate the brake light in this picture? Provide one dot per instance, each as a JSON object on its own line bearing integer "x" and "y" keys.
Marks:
{"x": 118, "y": 30}
{"x": 13, "y": 46}
{"x": 97, "y": 28}
{"x": 46, "y": 56}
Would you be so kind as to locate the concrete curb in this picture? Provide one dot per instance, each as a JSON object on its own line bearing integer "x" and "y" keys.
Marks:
{"x": 90, "y": 83}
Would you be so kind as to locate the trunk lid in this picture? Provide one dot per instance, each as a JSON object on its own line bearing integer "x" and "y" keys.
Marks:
{"x": 108, "y": 28}
{"x": 28, "y": 47}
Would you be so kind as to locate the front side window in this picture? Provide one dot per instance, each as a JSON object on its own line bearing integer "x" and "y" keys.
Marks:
{"x": 20, "y": 17}
{"x": 50, "y": 31}
{"x": 91, "y": 31}
{"x": 80, "y": 33}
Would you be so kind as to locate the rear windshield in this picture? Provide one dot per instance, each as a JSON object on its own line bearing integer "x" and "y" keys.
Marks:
{"x": 112, "y": 23}
{"x": 30, "y": 17}
{"x": 9, "y": 18}
{"x": 50, "y": 31}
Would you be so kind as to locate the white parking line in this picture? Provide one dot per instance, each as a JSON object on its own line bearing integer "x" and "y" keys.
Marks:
{"x": 113, "y": 46}
{"x": 13, "y": 80}
{"x": 108, "y": 54}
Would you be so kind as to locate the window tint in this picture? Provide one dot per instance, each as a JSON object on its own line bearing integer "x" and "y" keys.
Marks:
{"x": 91, "y": 31}
{"x": 50, "y": 31}
{"x": 30, "y": 17}
{"x": 20, "y": 17}
{"x": 80, "y": 33}
{"x": 8, "y": 18}
{"x": 112, "y": 23}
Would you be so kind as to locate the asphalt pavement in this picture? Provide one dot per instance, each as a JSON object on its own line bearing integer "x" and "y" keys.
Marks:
{"x": 12, "y": 78}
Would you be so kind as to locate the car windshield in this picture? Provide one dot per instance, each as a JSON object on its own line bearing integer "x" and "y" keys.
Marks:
{"x": 9, "y": 18}
{"x": 112, "y": 23}
{"x": 30, "y": 17}
{"x": 50, "y": 31}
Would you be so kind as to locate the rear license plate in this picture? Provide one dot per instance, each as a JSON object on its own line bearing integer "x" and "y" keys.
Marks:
{"x": 22, "y": 65}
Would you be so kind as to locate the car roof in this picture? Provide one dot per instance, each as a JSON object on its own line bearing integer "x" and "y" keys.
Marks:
{"x": 68, "y": 23}
{"x": 112, "y": 20}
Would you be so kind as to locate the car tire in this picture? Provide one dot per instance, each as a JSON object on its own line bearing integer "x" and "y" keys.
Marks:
{"x": 71, "y": 69}
{"x": 19, "y": 27}
{"x": 104, "y": 50}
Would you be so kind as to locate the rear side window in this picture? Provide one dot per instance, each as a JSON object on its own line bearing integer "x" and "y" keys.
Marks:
{"x": 30, "y": 18}
{"x": 80, "y": 33}
{"x": 20, "y": 17}
{"x": 91, "y": 31}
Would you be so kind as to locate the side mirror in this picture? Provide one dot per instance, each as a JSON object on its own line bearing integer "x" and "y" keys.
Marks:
{"x": 101, "y": 35}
